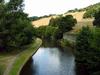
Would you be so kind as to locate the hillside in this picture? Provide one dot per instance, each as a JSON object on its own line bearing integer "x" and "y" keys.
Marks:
{"x": 94, "y": 6}
{"x": 77, "y": 15}
{"x": 41, "y": 22}
{"x": 97, "y": 5}
{"x": 87, "y": 13}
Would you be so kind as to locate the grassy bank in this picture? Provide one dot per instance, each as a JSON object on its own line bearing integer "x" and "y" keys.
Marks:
{"x": 23, "y": 57}
{"x": 12, "y": 64}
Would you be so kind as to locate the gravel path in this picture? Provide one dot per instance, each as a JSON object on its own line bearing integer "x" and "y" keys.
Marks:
{"x": 10, "y": 65}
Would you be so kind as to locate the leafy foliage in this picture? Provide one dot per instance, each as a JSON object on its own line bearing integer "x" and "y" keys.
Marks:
{"x": 63, "y": 23}
{"x": 83, "y": 40}
{"x": 34, "y": 18}
{"x": 15, "y": 28}
{"x": 88, "y": 51}
{"x": 56, "y": 27}
{"x": 48, "y": 32}
{"x": 66, "y": 23}
{"x": 75, "y": 10}
{"x": 91, "y": 10}
{"x": 97, "y": 19}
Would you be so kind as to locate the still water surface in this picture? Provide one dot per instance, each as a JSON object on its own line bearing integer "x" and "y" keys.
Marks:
{"x": 50, "y": 61}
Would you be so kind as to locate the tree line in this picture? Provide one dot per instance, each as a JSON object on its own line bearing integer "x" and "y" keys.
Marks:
{"x": 91, "y": 10}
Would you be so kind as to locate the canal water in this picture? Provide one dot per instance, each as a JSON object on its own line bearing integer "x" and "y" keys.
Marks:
{"x": 50, "y": 60}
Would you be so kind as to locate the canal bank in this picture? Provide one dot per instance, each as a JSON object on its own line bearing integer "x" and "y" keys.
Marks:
{"x": 23, "y": 57}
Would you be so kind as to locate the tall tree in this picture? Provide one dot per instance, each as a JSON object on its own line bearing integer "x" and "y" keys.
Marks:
{"x": 15, "y": 5}
{"x": 15, "y": 27}
{"x": 83, "y": 48}
{"x": 64, "y": 23}
{"x": 83, "y": 40}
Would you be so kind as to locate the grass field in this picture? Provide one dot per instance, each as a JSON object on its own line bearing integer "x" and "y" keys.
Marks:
{"x": 84, "y": 22}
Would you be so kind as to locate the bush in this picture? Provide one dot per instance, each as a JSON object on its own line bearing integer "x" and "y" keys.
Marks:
{"x": 83, "y": 40}
{"x": 89, "y": 13}
{"x": 40, "y": 32}
{"x": 97, "y": 19}
{"x": 88, "y": 50}
{"x": 91, "y": 10}
{"x": 66, "y": 43}
{"x": 48, "y": 32}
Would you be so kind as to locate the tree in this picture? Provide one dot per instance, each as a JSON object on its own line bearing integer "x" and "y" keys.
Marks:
{"x": 15, "y": 27}
{"x": 88, "y": 51}
{"x": 58, "y": 34}
{"x": 83, "y": 47}
{"x": 91, "y": 10}
{"x": 90, "y": 13}
{"x": 54, "y": 22}
{"x": 64, "y": 23}
{"x": 83, "y": 40}
{"x": 97, "y": 19}
{"x": 40, "y": 32}
{"x": 96, "y": 39}
{"x": 34, "y": 18}
{"x": 49, "y": 33}
{"x": 14, "y": 6}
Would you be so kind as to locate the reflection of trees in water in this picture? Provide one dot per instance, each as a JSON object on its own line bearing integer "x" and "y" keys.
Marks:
{"x": 29, "y": 68}
{"x": 49, "y": 43}
{"x": 81, "y": 69}
{"x": 52, "y": 44}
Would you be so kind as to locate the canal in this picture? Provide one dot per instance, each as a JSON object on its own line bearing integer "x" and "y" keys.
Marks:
{"x": 50, "y": 60}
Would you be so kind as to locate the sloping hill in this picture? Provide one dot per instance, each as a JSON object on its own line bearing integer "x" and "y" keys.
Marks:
{"x": 41, "y": 22}
{"x": 45, "y": 21}
{"x": 97, "y": 5}
{"x": 78, "y": 14}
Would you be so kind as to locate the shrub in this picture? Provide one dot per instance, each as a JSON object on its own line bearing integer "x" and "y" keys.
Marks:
{"x": 88, "y": 51}
{"x": 96, "y": 22}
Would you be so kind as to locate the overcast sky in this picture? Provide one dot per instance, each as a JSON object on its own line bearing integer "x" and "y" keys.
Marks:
{"x": 45, "y": 7}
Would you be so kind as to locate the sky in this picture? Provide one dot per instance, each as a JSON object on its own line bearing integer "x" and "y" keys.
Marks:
{"x": 46, "y": 7}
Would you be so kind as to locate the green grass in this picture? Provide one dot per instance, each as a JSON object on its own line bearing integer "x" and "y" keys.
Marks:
{"x": 23, "y": 57}
{"x": 19, "y": 61}
{"x": 2, "y": 68}
{"x": 4, "y": 61}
